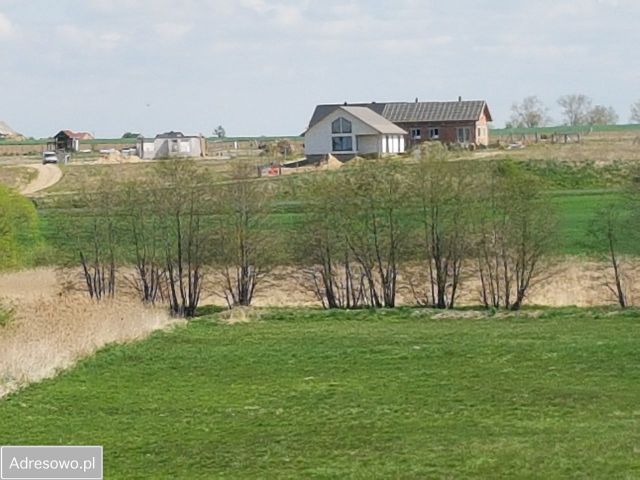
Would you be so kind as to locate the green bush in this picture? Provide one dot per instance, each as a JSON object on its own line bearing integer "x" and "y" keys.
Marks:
{"x": 19, "y": 232}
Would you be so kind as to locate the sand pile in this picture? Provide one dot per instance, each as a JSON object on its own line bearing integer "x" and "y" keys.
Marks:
{"x": 333, "y": 163}
{"x": 114, "y": 158}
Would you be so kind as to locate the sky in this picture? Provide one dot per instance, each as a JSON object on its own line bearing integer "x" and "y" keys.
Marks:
{"x": 258, "y": 67}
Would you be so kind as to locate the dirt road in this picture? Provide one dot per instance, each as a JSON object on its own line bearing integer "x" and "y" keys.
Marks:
{"x": 48, "y": 175}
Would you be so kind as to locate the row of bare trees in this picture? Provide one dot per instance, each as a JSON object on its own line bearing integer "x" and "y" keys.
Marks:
{"x": 434, "y": 221}
{"x": 166, "y": 231}
{"x": 440, "y": 220}
{"x": 449, "y": 220}
{"x": 577, "y": 109}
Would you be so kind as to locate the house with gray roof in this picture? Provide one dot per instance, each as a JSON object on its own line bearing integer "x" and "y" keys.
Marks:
{"x": 458, "y": 122}
{"x": 346, "y": 131}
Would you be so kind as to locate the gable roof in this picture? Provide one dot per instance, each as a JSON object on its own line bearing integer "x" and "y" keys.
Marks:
{"x": 407, "y": 112}
{"x": 435, "y": 111}
{"x": 76, "y": 135}
{"x": 170, "y": 134}
{"x": 375, "y": 121}
{"x": 174, "y": 135}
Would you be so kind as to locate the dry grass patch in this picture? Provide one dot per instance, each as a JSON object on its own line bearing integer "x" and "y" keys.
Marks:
{"x": 17, "y": 177}
{"x": 239, "y": 315}
{"x": 50, "y": 335}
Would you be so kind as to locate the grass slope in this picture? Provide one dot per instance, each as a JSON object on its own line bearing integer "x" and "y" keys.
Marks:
{"x": 354, "y": 395}
{"x": 575, "y": 212}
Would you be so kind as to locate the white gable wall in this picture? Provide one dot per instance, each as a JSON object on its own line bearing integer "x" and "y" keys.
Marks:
{"x": 318, "y": 139}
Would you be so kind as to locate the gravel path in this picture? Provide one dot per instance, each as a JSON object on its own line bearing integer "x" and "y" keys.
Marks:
{"x": 48, "y": 175}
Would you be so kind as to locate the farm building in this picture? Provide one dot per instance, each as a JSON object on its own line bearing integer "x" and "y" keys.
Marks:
{"x": 171, "y": 144}
{"x": 462, "y": 122}
{"x": 347, "y": 131}
{"x": 69, "y": 141}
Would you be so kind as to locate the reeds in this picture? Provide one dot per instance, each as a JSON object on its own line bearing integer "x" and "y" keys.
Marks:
{"x": 51, "y": 334}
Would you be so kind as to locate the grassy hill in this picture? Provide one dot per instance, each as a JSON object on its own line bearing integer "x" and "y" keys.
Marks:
{"x": 309, "y": 394}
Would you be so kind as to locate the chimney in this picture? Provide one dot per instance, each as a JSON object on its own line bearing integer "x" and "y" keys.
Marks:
{"x": 459, "y": 99}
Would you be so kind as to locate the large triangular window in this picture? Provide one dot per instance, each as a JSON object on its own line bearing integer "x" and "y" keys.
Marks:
{"x": 341, "y": 125}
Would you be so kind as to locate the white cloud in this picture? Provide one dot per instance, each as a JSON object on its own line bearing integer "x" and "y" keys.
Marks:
{"x": 87, "y": 39}
{"x": 289, "y": 16}
{"x": 172, "y": 31}
{"x": 304, "y": 49}
{"x": 6, "y": 27}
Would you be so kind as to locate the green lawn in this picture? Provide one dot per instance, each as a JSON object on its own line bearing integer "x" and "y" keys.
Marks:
{"x": 575, "y": 214}
{"x": 304, "y": 394}
{"x": 575, "y": 211}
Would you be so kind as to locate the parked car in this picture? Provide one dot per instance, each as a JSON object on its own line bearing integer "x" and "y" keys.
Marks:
{"x": 49, "y": 157}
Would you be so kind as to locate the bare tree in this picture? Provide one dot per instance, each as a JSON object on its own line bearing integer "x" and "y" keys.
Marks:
{"x": 602, "y": 115}
{"x": 606, "y": 230}
{"x": 575, "y": 108}
{"x": 514, "y": 231}
{"x": 635, "y": 112}
{"x": 442, "y": 190}
{"x": 375, "y": 197}
{"x": 530, "y": 113}
{"x": 145, "y": 240}
{"x": 322, "y": 247}
{"x": 245, "y": 244}
{"x": 181, "y": 200}
{"x": 97, "y": 238}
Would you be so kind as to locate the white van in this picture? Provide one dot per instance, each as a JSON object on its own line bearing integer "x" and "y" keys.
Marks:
{"x": 49, "y": 157}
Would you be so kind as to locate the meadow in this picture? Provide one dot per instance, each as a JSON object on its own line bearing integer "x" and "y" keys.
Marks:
{"x": 575, "y": 210}
{"x": 384, "y": 394}
{"x": 270, "y": 392}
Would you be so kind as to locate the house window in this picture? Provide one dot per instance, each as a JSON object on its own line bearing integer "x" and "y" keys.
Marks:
{"x": 342, "y": 144}
{"x": 464, "y": 135}
{"x": 341, "y": 125}
{"x": 434, "y": 133}
{"x": 185, "y": 146}
{"x": 416, "y": 133}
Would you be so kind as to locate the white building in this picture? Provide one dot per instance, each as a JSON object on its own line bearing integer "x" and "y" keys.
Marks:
{"x": 349, "y": 131}
{"x": 171, "y": 144}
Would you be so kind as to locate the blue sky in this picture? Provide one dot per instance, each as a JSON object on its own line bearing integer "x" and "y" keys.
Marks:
{"x": 258, "y": 67}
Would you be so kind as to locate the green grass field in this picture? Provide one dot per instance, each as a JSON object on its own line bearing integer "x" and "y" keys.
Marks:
{"x": 579, "y": 190}
{"x": 575, "y": 212}
{"x": 310, "y": 394}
